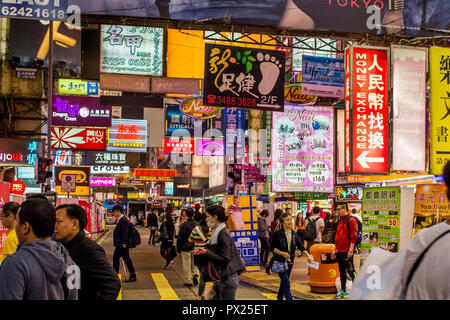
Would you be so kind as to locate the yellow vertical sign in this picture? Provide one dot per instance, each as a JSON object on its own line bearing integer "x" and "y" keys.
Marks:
{"x": 439, "y": 108}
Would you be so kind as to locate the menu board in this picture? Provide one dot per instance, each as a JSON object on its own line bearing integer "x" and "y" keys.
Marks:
{"x": 381, "y": 219}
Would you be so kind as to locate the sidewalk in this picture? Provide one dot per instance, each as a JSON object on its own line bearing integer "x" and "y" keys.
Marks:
{"x": 299, "y": 281}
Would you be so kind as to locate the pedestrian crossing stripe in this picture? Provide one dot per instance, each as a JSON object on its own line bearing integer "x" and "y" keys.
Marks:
{"x": 119, "y": 297}
{"x": 165, "y": 290}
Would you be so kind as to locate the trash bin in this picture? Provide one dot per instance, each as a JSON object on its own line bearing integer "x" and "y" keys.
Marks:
{"x": 323, "y": 280}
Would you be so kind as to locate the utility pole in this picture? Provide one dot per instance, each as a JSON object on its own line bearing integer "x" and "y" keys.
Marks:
{"x": 49, "y": 97}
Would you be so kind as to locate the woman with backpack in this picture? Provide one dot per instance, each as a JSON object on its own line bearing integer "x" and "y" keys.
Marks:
{"x": 199, "y": 237}
{"x": 167, "y": 232}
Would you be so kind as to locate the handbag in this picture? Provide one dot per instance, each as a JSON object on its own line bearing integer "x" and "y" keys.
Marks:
{"x": 164, "y": 235}
{"x": 211, "y": 273}
{"x": 279, "y": 267}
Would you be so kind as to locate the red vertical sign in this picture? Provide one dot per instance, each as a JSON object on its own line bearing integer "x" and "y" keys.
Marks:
{"x": 347, "y": 110}
{"x": 4, "y": 198}
{"x": 370, "y": 134}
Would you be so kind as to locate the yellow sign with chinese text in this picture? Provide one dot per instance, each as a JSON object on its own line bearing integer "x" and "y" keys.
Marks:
{"x": 439, "y": 108}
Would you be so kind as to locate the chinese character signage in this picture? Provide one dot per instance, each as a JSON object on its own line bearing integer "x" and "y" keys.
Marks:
{"x": 347, "y": 112}
{"x": 80, "y": 111}
{"x": 26, "y": 73}
{"x": 244, "y": 78}
{"x": 303, "y": 149}
{"x": 234, "y": 132}
{"x": 154, "y": 174}
{"x": 409, "y": 117}
{"x": 18, "y": 151}
{"x": 102, "y": 181}
{"x": 349, "y": 193}
{"x": 38, "y": 9}
{"x": 131, "y": 50}
{"x": 439, "y": 108}
{"x": 127, "y": 135}
{"x": 176, "y": 120}
{"x": 109, "y": 158}
{"x": 193, "y": 107}
{"x": 168, "y": 191}
{"x": 110, "y": 169}
{"x": 210, "y": 148}
{"x": 260, "y": 137}
{"x": 78, "y": 87}
{"x": 78, "y": 138}
{"x": 322, "y": 76}
{"x": 431, "y": 206}
{"x": 381, "y": 219}
{"x": 81, "y": 179}
{"x": 180, "y": 146}
{"x": 369, "y": 110}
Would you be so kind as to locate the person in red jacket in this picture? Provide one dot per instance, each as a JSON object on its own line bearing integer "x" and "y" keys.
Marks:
{"x": 344, "y": 246}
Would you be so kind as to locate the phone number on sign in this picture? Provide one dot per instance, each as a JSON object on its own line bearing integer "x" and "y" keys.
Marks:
{"x": 54, "y": 14}
{"x": 231, "y": 101}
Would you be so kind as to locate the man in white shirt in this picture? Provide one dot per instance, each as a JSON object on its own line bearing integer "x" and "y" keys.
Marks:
{"x": 320, "y": 225}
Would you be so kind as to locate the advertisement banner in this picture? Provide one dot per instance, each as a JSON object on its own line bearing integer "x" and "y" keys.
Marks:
{"x": 431, "y": 206}
{"x": 322, "y": 76}
{"x": 80, "y": 111}
{"x": 347, "y": 111}
{"x": 40, "y": 10}
{"x": 234, "y": 132}
{"x": 409, "y": 118}
{"x": 18, "y": 151}
{"x": 112, "y": 158}
{"x": 81, "y": 179}
{"x": 381, "y": 219}
{"x": 110, "y": 169}
{"x": 127, "y": 135}
{"x": 439, "y": 108}
{"x": 131, "y": 50}
{"x": 303, "y": 149}
{"x": 293, "y": 94}
{"x": 193, "y": 107}
{"x": 154, "y": 174}
{"x": 369, "y": 110}
{"x": 168, "y": 188}
{"x": 260, "y": 137}
{"x": 102, "y": 182}
{"x": 244, "y": 78}
{"x": 349, "y": 193}
{"x": 78, "y": 87}
{"x": 210, "y": 148}
{"x": 78, "y": 138}
{"x": 180, "y": 146}
{"x": 176, "y": 120}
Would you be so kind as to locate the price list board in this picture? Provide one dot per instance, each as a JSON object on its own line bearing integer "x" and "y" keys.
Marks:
{"x": 381, "y": 219}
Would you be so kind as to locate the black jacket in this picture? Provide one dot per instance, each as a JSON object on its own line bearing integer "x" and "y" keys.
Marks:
{"x": 224, "y": 255}
{"x": 120, "y": 235}
{"x": 152, "y": 220}
{"x": 99, "y": 281}
{"x": 279, "y": 241}
{"x": 184, "y": 234}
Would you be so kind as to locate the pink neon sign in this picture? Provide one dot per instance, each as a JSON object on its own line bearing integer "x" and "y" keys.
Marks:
{"x": 102, "y": 182}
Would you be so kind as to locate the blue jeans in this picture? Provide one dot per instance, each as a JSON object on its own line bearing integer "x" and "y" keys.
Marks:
{"x": 226, "y": 289}
{"x": 285, "y": 284}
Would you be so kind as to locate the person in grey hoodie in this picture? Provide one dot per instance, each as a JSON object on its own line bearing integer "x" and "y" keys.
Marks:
{"x": 41, "y": 269}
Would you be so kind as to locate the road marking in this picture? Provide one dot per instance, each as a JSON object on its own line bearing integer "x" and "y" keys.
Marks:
{"x": 271, "y": 296}
{"x": 119, "y": 297}
{"x": 107, "y": 232}
{"x": 165, "y": 290}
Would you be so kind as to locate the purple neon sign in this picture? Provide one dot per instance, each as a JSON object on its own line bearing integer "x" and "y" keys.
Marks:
{"x": 210, "y": 148}
{"x": 102, "y": 182}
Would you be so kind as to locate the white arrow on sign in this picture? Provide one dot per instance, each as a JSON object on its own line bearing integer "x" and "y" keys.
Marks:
{"x": 276, "y": 106}
{"x": 363, "y": 159}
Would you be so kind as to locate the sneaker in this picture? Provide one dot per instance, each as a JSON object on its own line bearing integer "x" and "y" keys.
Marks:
{"x": 132, "y": 279}
{"x": 195, "y": 280}
{"x": 341, "y": 295}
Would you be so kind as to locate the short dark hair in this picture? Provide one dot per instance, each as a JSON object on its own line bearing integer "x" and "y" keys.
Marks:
{"x": 189, "y": 212}
{"x": 316, "y": 210}
{"x": 74, "y": 211}
{"x": 284, "y": 216}
{"x": 278, "y": 213}
{"x": 264, "y": 213}
{"x": 342, "y": 204}
{"x": 218, "y": 211}
{"x": 10, "y": 208}
{"x": 197, "y": 206}
{"x": 117, "y": 207}
{"x": 40, "y": 214}
{"x": 353, "y": 210}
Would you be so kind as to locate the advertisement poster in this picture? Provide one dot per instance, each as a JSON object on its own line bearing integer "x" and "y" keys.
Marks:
{"x": 381, "y": 219}
{"x": 80, "y": 111}
{"x": 439, "y": 108}
{"x": 127, "y": 135}
{"x": 244, "y": 78}
{"x": 369, "y": 110}
{"x": 210, "y": 148}
{"x": 235, "y": 132}
{"x": 78, "y": 138}
{"x": 77, "y": 86}
{"x": 431, "y": 206}
{"x": 193, "y": 107}
{"x": 260, "y": 137}
{"x": 409, "y": 118}
{"x": 176, "y": 120}
{"x": 246, "y": 240}
{"x": 102, "y": 182}
{"x": 303, "y": 150}
{"x": 179, "y": 146}
{"x": 81, "y": 179}
{"x": 322, "y": 76}
{"x": 131, "y": 50}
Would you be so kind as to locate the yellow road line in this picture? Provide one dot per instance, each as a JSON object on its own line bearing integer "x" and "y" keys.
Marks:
{"x": 107, "y": 232}
{"x": 271, "y": 296}
{"x": 165, "y": 290}
{"x": 119, "y": 297}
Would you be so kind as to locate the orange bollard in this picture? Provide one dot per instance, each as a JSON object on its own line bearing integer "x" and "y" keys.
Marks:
{"x": 323, "y": 280}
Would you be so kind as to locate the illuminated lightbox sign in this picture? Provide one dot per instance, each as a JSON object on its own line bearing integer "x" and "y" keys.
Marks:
{"x": 110, "y": 169}
{"x": 169, "y": 188}
{"x": 131, "y": 50}
{"x": 154, "y": 174}
{"x": 77, "y": 86}
{"x": 183, "y": 186}
{"x": 18, "y": 151}
{"x": 179, "y": 146}
{"x": 102, "y": 182}
{"x": 128, "y": 135}
{"x": 210, "y": 148}
{"x": 78, "y": 138}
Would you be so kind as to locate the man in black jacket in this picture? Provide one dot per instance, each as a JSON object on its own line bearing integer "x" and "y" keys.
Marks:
{"x": 99, "y": 281}
{"x": 186, "y": 249}
{"x": 120, "y": 239}
{"x": 152, "y": 223}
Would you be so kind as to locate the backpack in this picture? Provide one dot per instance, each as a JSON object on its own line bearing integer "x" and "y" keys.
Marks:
{"x": 134, "y": 238}
{"x": 310, "y": 232}
{"x": 358, "y": 231}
